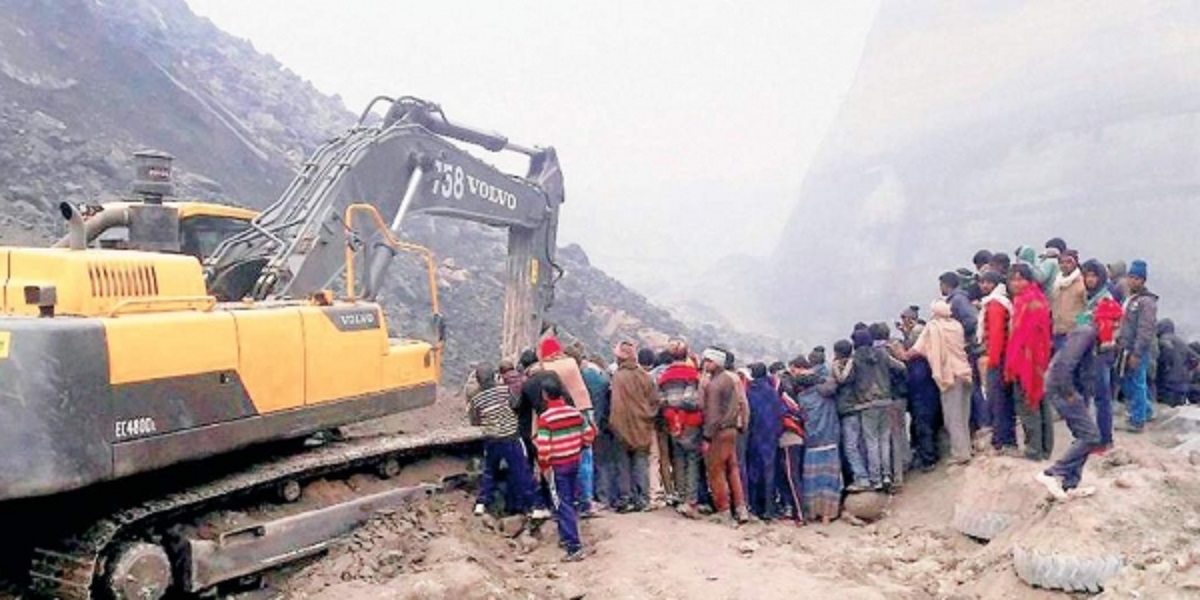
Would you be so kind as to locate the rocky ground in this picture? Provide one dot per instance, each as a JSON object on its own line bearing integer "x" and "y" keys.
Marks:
{"x": 1144, "y": 512}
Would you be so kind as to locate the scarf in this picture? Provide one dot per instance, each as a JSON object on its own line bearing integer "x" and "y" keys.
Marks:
{"x": 1088, "y": 315}
{"x": 942, "y": 344}
{"x": 1000, "y": 294}
{"x": 1065, "y": 281}
{"x": 1028, "y": 354}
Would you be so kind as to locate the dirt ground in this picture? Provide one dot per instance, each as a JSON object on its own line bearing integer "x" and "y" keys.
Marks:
{"x": 1146, "y": 507}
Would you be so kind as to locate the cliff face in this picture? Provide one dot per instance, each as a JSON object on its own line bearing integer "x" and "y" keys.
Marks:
{"x": 84, "y": 83}
{"x": 973, "y": 127}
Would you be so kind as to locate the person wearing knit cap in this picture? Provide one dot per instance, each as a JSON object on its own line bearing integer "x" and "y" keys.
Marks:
{"x": 1058, "y": 244}
{"x": 1103, "y": 312}
{"x": 552, "y": 358}
{"x": 634, "y": 405}
{"x": 725, "y": 414}
{"x": 1134, "y": 339}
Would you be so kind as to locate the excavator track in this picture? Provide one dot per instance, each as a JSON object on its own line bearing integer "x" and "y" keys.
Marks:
{"x": 70, "y": 568}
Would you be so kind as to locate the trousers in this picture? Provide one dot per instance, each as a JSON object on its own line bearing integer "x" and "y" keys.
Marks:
{"x": 1074, "y": 410}
{"x": 566, "y": 482}
{"x": 760, "y": 471}
{"x": 852, "y": 447}
{"x": 1004, "y": 413}
{"x": 724, "y": 476}
{"x": 686, "y": 461}
{"x": 1134, "y": 386}
{"x": 877, "y": 440}
{"x": 519, "y": 483}
{"x": 956, "y": 414}
{"x": 1038, "y": 425}
{"x": 1104, "y": 397}
{"x": 633, "y": 476}
{"x": 790, "y": 480}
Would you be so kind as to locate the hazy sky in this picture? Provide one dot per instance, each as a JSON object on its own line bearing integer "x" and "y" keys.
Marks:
{"x": 677, "y": 123}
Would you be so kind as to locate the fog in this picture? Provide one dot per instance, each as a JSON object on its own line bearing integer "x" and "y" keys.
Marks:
{"x": 684, "y": 128}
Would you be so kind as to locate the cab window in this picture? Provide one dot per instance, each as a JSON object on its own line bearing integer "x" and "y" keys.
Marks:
{"x": 200, "y": 236}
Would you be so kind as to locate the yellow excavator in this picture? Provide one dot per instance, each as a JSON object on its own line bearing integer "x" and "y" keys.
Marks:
{"x": 196, "y": 334}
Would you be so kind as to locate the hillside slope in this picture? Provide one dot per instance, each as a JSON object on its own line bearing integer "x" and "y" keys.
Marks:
{"x": 84, "y": 83}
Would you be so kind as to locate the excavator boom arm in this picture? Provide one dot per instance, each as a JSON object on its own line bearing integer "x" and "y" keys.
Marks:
{"x": 405, "y": 166}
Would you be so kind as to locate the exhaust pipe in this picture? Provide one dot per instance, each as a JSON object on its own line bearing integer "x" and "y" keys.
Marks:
{"x": 77, "y": 235}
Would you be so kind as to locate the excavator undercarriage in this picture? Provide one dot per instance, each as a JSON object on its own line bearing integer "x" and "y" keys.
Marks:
{"x": 174, "y": 377}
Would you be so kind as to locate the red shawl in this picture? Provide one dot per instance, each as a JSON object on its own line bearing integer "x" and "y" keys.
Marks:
{"x": 1028, "y": 354}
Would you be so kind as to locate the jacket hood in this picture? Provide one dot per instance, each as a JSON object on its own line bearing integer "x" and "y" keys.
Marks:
{"x": 1166, "y": 326}
{"x": 1026, "y": 254}
{"x": 941, "y": 309}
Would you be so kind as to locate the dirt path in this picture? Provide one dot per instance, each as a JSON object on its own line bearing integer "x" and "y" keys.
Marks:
{"x": 439, "y": 550}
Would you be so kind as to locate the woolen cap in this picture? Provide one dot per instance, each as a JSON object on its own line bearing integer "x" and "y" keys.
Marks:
{"x": 1138, "y": 269}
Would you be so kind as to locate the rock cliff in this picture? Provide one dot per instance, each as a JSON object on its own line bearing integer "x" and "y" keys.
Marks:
{"x": 972, "y": 126}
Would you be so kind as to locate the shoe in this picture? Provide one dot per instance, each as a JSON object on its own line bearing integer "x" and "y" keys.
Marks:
{"x": 1053, "y": 485}
{"x": 1034, "y": 456}
{"x": 539, "y": 514}
{"x": 574, "y": 556}
{"x": 928, "y": 467}
{"x": 858, "y": 486}
{"x": 1100, "y": 450}
{"x": 1131, "y": 428}
{"x": 480, "y": 509}
{"x": 1010, "y": 451}
{"x": 742, "y": 515}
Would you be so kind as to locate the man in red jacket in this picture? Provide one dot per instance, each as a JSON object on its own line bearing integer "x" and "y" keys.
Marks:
{"x": 1026, "y": 359}
{"x": 993, "y": 338}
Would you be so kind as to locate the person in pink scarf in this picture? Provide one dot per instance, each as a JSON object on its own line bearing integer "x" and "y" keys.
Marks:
{"x": 943, "y": 343}
{"x": 1027, "y": 358}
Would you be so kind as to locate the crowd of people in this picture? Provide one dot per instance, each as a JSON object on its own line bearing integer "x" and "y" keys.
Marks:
{"x": 1008, "y": 345}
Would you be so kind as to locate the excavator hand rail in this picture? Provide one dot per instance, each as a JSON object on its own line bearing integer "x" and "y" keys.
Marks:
{"x": 201, "y": 303}
{"x": 390, "y": 240}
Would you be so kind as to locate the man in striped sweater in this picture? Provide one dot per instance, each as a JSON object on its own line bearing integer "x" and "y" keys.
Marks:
{"x": 562, "y": 433}
{"x": 492, "y": 408}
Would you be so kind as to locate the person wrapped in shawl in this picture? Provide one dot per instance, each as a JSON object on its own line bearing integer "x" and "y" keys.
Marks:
{"x": 822, "y": 498}
{"x": 1026, "y": 359}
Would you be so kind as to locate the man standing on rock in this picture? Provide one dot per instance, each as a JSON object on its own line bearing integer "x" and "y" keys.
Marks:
{"x": 1104, "y": 313}
{"x": 1068, "y": 386}
{"x": 724, "y": 416}
{"x": 1026, "y": 359}
{"x": 967, "y": 315}
{"x": 1068, "y": 298}
{"x": 634, "y": 406}
{"x": 993, "y": 338}
{"x": 1137, "y": 333}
